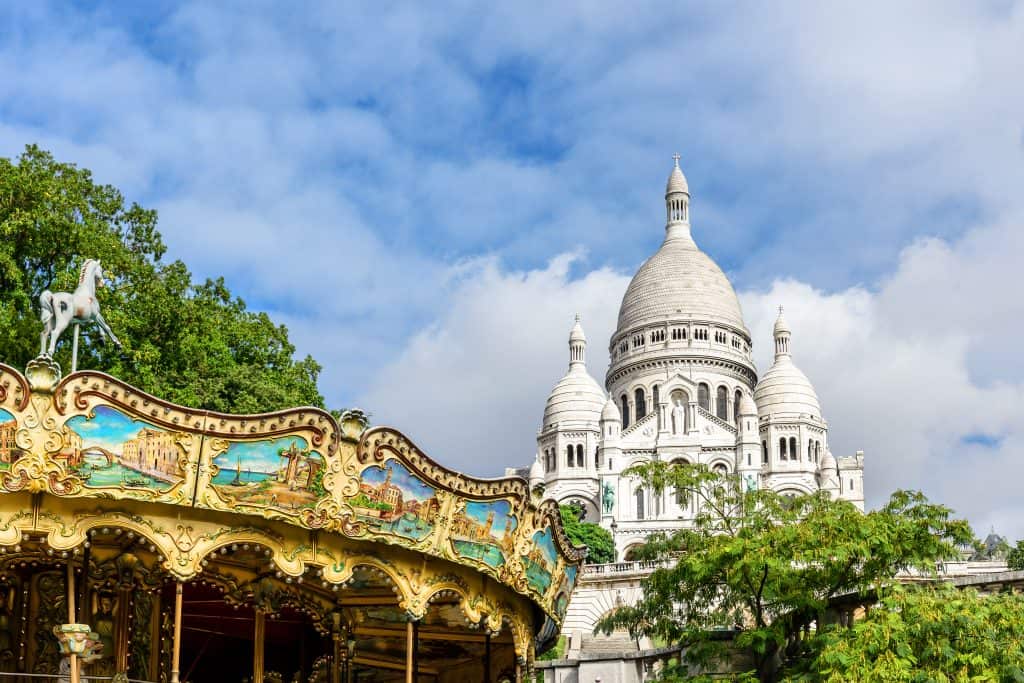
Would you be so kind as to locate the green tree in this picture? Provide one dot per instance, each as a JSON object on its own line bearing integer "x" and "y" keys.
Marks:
{"x": 191, "y": 343}
{"x": 600, "y": 546}
{"x": 1015, "y": 557}
{"x": 767, "y": 565}
{"x": 925, "y": 634}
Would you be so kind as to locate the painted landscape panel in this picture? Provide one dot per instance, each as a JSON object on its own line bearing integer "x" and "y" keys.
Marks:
{"x": 484, "y": 532}
{"x": 281, "y": 473}
{"x": 393, "y": 500}
{"x": 9, "y": 452}
{"x": 565, "y": 589}
{"x": 541, "y": 561}
{"x": 109, "y": 448}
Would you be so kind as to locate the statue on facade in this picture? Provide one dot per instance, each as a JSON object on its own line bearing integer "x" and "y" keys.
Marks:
{"x": 608, "y": 497}
{"x": 60, "y": 309}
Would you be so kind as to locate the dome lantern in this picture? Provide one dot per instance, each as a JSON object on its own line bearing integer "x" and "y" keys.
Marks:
{"x": 577, "y": 345}
{"x": 782, "y": 335}
{"x": 677, "y": 197}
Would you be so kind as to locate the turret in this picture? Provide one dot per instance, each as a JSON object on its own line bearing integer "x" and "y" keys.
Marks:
{"x": 748, "y": 443}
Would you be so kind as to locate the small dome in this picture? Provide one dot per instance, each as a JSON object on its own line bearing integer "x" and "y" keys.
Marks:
{"x": 576, "y": 334}
{"x": 576, "y": 398}
{"x": 785, "y": 390}
{"x": 536, "y": 472}
{"x": 781, "y": 326}
{"x": 611, "y": 411}
{"x": 828, "y": 462}
{"x": 747, "y": 405}
{"x": 676, "y": 180}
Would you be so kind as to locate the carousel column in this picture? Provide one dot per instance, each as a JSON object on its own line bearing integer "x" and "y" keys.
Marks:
{"x": 176, "y": 647}
{"x": 123, "y": 627}
{"x": 72, "y": 658}
{"x": 259, "y": 633}
{"x": 411, "y": 665}
{"x": 487, "y": 657}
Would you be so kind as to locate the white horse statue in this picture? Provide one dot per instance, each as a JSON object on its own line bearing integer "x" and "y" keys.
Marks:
{"x": 81, "y": 306}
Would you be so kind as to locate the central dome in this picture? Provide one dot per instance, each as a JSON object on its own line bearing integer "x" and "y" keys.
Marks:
{"x": 680, "y": 281}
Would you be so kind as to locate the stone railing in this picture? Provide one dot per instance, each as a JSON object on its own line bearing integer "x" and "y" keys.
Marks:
{"x": 620, "y": 568}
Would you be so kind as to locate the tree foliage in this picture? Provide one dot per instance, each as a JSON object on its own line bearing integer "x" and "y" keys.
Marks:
{"x": 191, "y": 343}
{"x": 1015, "y": 557}
{"x": 600, "y": 546}
{"x": 767, "y": 565}
{"x": 925, "y": 634}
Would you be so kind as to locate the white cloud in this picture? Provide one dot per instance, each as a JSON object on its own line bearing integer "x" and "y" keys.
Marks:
{"x": 470, "y": 388}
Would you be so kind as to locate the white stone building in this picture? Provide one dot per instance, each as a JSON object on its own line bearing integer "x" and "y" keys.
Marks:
{"x": 682, "y": 386}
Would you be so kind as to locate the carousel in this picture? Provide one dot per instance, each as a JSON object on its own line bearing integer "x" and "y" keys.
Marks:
{"x": 149, "y": 541}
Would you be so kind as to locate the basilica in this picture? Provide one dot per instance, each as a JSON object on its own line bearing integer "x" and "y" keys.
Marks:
{"x": 682, "y": 387}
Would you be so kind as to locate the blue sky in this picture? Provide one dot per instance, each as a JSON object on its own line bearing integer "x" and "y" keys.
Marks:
{"x": 108, "y": 428}
{"x": 426, "y": 194}
{"x": 259, "y": 456}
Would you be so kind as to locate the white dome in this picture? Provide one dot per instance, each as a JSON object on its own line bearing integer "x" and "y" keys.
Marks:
{"x": 611, "y": 411}
{"x": 677, "y": 181}
{"x": 785, "y": 390}
{"x": 576, "y": 334}
{"x": 576, "y": 398}
{"x": 536, "y": 472}
{"x": 679, "y": 281}
{"x": 747, "y": 405}
{"x": 828, "y": 462}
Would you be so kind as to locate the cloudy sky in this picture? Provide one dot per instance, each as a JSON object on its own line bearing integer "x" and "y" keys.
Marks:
{"x": 426, "y": 195}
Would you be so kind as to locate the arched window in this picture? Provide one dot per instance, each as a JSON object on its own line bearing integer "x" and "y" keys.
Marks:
{"x": 640, "y": 503}
{"x": 764, "y": 452}
{"x": 625, "y": 411}
{"x": 793, "y": 452}
{"x": 722, "y": 403}
{"x": 703, "y": 398}
{"x": 682, "y": 499}
{"x": 654, "y": 404}
{"x": 736, "y": 407}
{"x": 817, "y": 450}
{"x": 641, "y": 404}
{"x": 568, "y": 455}
{"x": 580, "y": 462}
{"x": 720, "y": 469}
{"x": 782, "y": 448}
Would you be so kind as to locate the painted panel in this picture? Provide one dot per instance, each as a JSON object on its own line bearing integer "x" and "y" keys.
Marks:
{"x": 108, "y": 449}
{"x": 283, "y": 474}
{"x": 9, "y": 451}
{"x": 540, "y": 561}
{"x": 484, "y": 532}
{"x": 392, "y": 500}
